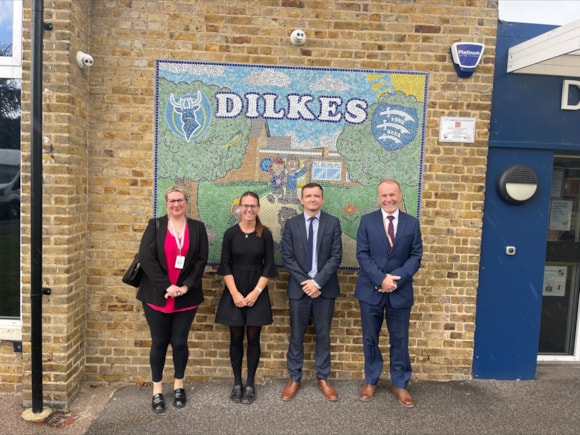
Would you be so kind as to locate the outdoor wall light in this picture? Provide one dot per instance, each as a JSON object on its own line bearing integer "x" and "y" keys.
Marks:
{"x": 517, "y": 184}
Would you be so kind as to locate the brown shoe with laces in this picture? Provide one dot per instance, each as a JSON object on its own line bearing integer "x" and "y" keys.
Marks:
{"x": 328, "y": 390}
{"x": 290, "y": 390}
{"x": 367, "y": 393}
{"x": 403, "y": 396}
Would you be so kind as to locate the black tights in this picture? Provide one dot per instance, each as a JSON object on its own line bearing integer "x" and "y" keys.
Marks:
{"x": 237, "y": 352}
{"x": 166, "y": 329}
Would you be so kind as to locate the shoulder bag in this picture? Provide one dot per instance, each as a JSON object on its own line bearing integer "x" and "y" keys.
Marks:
{"x": 134, "y": 272}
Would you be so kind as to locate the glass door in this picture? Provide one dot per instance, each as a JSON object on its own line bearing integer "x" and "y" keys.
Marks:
{"x": 559, "y": 332}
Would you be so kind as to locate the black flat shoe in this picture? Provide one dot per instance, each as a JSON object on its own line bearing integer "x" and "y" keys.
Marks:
{"x": 158, "y": 403}
{"x": 236, "y": 395}
{"x": 179, "y": 398}
{"x": 249, "y": 395}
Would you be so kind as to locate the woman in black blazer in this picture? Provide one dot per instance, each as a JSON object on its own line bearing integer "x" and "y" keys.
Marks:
{"x": 173, "y": 254}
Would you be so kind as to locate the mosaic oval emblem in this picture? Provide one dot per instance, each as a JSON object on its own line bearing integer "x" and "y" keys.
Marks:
{"x": 188, "y": 116}
{"x": 394, "y": 126}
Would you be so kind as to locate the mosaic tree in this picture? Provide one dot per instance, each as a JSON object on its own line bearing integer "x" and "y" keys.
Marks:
{"x": 192, "y": 146}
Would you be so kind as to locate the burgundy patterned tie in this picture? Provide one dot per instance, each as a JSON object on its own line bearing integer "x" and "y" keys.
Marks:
{"x": 391, "y": 232}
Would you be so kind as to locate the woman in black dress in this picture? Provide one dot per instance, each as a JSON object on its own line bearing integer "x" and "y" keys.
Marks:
{"x": 247, "y": 262}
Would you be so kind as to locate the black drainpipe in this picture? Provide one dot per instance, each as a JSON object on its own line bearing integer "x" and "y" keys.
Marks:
{"x": 36, "y": 205}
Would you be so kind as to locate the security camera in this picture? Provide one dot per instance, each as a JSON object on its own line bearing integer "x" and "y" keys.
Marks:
{"x": 84, "y": 60}
{"x": 298, "y": 37}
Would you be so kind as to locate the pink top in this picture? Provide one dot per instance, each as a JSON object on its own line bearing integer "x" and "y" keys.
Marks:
{"x": 171, "y": 253}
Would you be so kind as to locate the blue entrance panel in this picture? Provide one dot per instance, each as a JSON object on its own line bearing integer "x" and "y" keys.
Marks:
{"x": 509, "y": 297}
{"x": 527, "y": 127}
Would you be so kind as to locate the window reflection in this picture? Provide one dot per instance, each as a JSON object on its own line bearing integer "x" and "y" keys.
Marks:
{"x": 10, "y": 114}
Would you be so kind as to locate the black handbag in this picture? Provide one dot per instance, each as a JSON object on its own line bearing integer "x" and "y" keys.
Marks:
{"x": 134, "y": 273}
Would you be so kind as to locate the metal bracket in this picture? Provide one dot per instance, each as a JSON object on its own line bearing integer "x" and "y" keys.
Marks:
{"x": 47, "y": 26}
{"x": 46, "y": 291}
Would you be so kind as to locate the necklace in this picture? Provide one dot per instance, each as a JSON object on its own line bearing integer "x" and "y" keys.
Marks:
{"x": 178, "y": 232}
{"x": 247, "y": 234}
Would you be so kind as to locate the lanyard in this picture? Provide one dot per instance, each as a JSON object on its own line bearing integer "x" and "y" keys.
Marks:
{"x": 178, "y": 241}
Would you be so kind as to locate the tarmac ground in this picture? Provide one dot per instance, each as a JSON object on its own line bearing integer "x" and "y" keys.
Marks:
{"x": 547, "y": 405}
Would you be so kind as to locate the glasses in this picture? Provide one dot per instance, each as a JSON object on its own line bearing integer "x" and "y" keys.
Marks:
{"x": 175, "y": 201}
{"x": 249, "y": 206}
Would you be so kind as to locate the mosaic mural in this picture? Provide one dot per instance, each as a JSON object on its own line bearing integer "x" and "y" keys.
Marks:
{"x": 222, "y": 129}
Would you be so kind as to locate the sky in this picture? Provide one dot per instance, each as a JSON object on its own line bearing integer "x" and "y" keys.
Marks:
{"x": 6, "y": 8}
{"x": 554, "y": 12}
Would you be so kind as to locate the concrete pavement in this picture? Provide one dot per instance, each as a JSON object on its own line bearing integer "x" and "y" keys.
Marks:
{"x": 548, "y": 405}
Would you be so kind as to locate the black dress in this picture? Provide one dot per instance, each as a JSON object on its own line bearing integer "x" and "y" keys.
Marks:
{"x": 247, "y": 257}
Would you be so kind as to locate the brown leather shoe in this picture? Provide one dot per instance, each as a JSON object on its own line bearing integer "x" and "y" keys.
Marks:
{"x": 328, "y": 390}
{"x": 367, "y": 393}
{"x": 290, "y": 391}
{"x": 404, "y": 396}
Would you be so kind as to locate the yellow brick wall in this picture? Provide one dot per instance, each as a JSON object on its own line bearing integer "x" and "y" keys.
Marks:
{"x": 65, "y": 206}
{"x": 99, "y": 193}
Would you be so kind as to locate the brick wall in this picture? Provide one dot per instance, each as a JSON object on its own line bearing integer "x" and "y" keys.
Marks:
{"x": 100, "y": 122}
{"x": 65, "y": 201}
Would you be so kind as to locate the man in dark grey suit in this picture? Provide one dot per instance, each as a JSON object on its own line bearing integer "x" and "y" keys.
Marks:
{"x": 312, "y": 285}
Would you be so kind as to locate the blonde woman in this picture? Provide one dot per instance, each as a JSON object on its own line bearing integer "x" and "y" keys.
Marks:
{"x": 173, "y": 255}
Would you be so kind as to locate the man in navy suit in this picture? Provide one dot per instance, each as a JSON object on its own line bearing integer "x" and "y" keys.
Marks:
{"x": 312, "y": 285}
{"x": 388, "y": 260}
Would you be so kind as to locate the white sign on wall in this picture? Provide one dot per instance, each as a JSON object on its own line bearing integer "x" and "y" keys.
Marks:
{"x": 460, "y": 130}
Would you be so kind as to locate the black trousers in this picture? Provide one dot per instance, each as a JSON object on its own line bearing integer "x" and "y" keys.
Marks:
{"x": 166, "y": 329}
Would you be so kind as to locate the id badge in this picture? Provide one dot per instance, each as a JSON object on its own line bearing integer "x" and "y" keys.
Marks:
{"x": 179, "y": 261}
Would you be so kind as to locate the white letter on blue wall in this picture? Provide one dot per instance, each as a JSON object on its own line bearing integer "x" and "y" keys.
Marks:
{"x": 565, "y": 105}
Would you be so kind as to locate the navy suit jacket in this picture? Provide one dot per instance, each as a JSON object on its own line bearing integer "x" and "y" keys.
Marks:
{"x": 376, "y": 261}
{"x": 329, "y": 251}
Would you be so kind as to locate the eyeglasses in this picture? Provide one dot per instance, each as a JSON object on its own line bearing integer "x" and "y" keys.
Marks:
{"x": 249, "y": 206}
{"x": 176, "y": 201}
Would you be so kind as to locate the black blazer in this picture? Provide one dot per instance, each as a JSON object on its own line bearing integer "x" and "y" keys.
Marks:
{"x": 329, "y": 250}
{"x": 153, "y": 262}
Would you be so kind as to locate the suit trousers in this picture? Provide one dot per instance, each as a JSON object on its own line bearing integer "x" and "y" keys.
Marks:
{"x": 321, "y": 310}
{"x": 372, "y": 317}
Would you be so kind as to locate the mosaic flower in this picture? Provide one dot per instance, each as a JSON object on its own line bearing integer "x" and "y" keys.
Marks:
{"x": 349, "y": 209}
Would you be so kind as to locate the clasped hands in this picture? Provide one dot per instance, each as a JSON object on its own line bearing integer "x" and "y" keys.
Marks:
{"x": 174, "y": 291}
{"x": 389, "y": 284}
{"x": 248, "y": 301}
{"x": 310, "y": 288}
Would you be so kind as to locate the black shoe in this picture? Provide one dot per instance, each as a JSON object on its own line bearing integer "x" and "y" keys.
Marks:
{"x": 158, "y": 403}
{"x": 249, "y": 395}
{"x": 179, "y": 398}
{"x": 236, "y": 395}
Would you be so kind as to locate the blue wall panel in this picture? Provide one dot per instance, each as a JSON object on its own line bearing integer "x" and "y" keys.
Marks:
{"x": 527, "y": 126}
{"x": 526, "y": 108}
{"x": 509, "y": 300}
